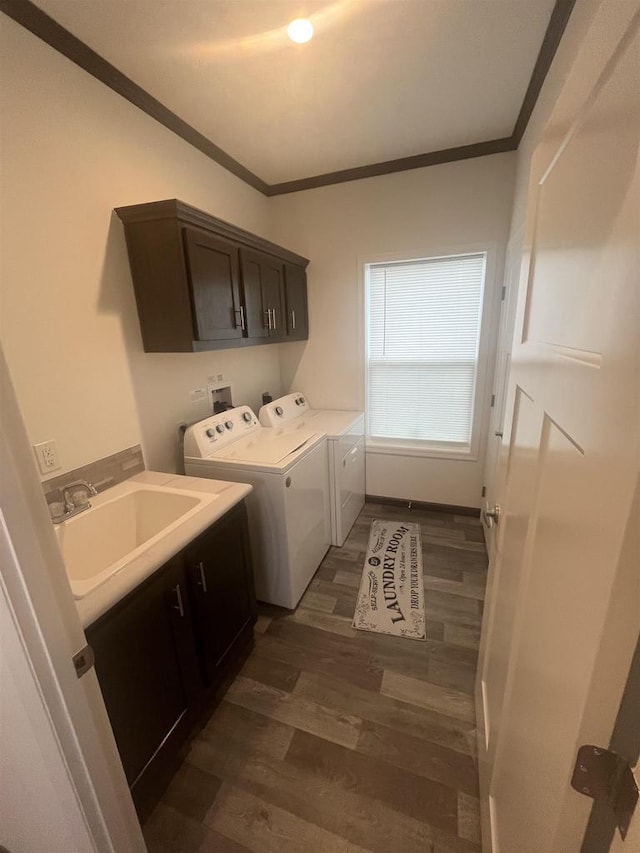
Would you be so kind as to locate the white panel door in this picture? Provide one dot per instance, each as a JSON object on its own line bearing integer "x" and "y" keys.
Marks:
{"x": 574, "y": 403}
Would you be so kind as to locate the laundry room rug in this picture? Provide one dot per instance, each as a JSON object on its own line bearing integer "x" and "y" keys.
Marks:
{"x": 391, "y": 596}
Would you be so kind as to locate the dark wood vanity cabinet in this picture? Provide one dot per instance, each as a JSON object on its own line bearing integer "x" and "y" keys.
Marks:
{"x": 202, "y": 284}
{"x": 162, "y": 652}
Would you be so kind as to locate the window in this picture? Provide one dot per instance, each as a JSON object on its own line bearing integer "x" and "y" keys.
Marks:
{"x": 423, "y": 333}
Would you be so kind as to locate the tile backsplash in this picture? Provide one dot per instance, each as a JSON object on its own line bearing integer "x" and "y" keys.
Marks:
{"x": 103, "y": 473}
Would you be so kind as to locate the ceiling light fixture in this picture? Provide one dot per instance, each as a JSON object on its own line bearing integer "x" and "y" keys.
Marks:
{"x": 300, "y": 30}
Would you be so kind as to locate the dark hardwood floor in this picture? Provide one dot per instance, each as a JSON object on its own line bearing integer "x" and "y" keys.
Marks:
{"x": 333, "y": 740}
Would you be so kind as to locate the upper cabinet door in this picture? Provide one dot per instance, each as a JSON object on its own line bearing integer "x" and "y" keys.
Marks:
{"x": 273, "y": 288}
{"x": 296, "y": 299}
{"x": 252, "y": 291}
{"x": 263, "y": 291}
{"x": 214, "y": 279}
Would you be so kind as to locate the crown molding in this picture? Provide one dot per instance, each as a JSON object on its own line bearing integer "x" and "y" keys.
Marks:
{"x": 418, "y": 161}
{"x": 552, "y": 37}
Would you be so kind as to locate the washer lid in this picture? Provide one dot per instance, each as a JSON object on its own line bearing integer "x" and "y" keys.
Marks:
{"x": 270, "y": 448}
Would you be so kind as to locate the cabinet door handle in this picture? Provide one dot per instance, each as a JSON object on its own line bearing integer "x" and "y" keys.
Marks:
{"x": 203, "y": 581}
{"x": 179, "y": 606}
{"x": 240, "y": 311}
{"x": 268, "y": 313}
{"x": 293, "y": 319}
{"x": 275, "y": 325}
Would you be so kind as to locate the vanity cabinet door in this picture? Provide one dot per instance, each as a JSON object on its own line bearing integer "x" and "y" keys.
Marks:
{"x": 145, "y": 660}
{"x": 295, "y": 279}
{"x": 221, "y": 578}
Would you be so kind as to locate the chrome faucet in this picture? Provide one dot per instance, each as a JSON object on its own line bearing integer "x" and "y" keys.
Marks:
{"x": 72, "y": 506}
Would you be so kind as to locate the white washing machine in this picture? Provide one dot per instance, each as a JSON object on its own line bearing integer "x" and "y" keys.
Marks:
{"x": 345, "y": 437}
{"x": 289, "y": 508}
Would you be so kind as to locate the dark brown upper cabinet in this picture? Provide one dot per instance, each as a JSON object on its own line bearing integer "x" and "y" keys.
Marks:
{"x": 203, "y": 284}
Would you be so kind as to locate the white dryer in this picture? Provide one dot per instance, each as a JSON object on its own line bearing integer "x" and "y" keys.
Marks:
{"x": 289, "y": 508}
{"x": 345, "y": 437}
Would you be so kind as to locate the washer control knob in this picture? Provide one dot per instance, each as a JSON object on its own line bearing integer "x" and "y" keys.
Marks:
{"x": 279, "y": 411}
{"x": 220, "y": 428}
{"x": 211, "y": 433}
{"x": 247, "y": 417}
{"x": 228, "y": 424}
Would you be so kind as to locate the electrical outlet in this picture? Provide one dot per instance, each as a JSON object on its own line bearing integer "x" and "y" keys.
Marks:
{"x": 47, "y": 456}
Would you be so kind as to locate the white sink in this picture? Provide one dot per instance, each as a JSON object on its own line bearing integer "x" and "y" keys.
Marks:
{"x": 101, "y": 542}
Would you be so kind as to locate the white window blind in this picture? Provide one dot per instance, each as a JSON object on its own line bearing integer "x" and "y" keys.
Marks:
{"x": 423, "y": 331}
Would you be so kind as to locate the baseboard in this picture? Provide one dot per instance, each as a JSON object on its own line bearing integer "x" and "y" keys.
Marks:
{"x": 426, "y": 505}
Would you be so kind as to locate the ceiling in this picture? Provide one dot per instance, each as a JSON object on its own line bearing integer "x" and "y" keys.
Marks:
{"x": 381, "y": 79}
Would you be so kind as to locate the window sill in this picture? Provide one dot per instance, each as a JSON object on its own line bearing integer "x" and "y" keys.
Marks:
{"x": 435, "y": 451}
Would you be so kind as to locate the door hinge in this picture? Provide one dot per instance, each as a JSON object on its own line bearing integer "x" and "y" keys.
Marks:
{"x": 493, "y": 400}
{"x": 83, "y": 660}
{"x": 504, "y": 293}
{"x": 484, "y": 492}
{"x": 602, "y": 775}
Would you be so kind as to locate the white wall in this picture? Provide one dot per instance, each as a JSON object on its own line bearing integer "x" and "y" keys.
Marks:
{"x": 342, "y": 226}
{"x": 72, "y": 150}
